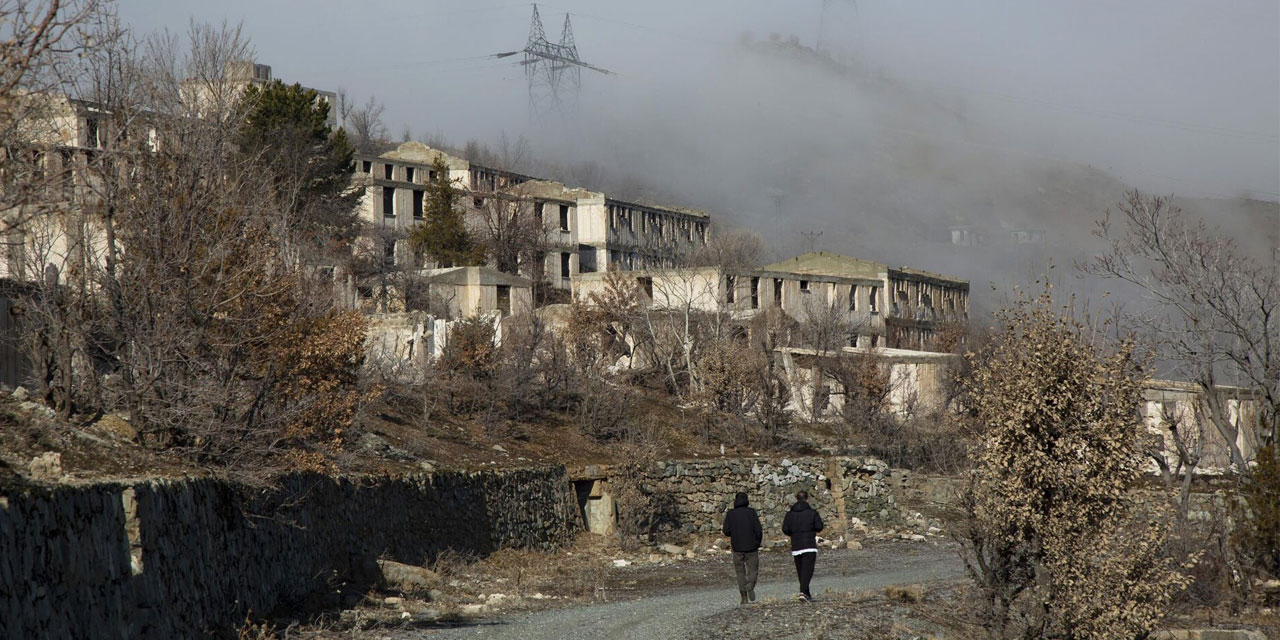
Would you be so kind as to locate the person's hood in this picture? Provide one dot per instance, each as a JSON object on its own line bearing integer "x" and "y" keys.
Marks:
{"x": 740, "y": 501}
{"x": 800, "y": 506}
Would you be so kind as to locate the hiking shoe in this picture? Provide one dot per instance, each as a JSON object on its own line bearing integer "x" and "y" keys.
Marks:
{"x": 751, "y": 595}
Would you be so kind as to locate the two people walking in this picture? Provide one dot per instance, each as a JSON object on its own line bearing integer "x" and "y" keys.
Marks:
{"x": 802, "y": 523}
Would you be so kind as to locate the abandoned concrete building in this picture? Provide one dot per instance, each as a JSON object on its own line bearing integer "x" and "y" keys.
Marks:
{"x": 65, "y": 135}
{"x": 1174, "y": 409}
{"x": 238, "y": 76}
{"x": 897, "y": 308}
{"x": 587, "y": 231}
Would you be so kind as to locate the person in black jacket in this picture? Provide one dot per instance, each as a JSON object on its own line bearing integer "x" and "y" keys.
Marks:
{"x": 742, "y": 525}
{"x": 802, "y": 523}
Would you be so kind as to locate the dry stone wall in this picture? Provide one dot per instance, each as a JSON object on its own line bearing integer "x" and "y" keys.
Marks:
{"x": 185, "y": 557}
{"x": 691, "y": 496}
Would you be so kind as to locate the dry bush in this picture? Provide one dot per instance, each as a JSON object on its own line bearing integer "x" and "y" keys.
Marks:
{"x": 1053, "y": 536}
{"x": 1256, "y": 538}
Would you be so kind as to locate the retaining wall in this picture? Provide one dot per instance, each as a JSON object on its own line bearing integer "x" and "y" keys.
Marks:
{"x": 692, "y": 495}
{"x": 181, "y": 558}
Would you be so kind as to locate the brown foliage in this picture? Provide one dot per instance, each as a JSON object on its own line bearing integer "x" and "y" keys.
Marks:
{"x": 1053, "y": 538}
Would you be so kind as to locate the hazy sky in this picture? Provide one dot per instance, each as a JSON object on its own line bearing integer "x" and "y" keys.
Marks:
{"x": 1169, "y": 95}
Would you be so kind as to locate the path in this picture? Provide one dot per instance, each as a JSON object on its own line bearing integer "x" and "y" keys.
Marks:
{"x": 676, "y": 615}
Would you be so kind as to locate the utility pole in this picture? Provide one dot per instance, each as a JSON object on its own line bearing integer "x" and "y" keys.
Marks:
{"x": 812, "y": 238}
{"x": 552, "y": 70}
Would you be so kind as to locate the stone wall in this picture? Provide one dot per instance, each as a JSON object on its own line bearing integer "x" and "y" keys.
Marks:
{"x": 692, "y": 495}
{"x": 178, "y": 558}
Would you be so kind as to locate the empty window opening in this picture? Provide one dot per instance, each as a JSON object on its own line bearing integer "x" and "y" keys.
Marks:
{"x": 504, "y": 299}
{"x": 388, "y": 202}
{"x": 366, "y": 166}
{"x": 564, "y": 217}
{"x": 755, "y": 293}
{"x": 417, "y": 204}
{"x": 873, "y": 294}
{"x": 587, "y": 258}
{"x": 92, "y": 137}
{"x": 387, "y": 170}
{"x": 564, "y": 265}
{"x": 853, "y": 297}
{"x": 804, "y": 286}
{"x": 389, "y": 252}
{"x": 729, "y": 285}
{"x": 875, "y": 341}
{"x": 777, "y": 292}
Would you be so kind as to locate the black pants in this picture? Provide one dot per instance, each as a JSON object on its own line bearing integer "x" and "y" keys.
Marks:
{"x": 804, "y": 570}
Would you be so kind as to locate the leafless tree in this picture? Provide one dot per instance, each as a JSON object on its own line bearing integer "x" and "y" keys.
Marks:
{"x": 172, "y": 277}
{"x": 514, "y": 234}
{"x": 732, "y": 249}
{"x": 38, "y": 47}
{"x": 363, "y": 123}
{"x": 1216, "y": 311}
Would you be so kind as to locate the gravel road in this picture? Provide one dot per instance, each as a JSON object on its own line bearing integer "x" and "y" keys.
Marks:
{"x": 676, "y": 614}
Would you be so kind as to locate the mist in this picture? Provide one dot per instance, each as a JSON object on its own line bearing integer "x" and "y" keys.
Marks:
{"x": 874, "y": 129}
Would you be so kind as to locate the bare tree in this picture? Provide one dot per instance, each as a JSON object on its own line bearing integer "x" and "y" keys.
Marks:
{"x": 363, "y": 123}
{"x": 175, "y": 281}
{"x": 514, "y": 234}
{"x": 732, "y": 249}
{"x": 38, "y": 50}
{"x": 1216, "y": 311}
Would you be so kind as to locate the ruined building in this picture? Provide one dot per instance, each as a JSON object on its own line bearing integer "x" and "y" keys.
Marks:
{"x": 897, "y": 308}
{"x": 587, "y": 231}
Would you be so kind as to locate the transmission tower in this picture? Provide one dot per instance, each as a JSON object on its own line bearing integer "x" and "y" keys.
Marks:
{"x": 553, "y": 70}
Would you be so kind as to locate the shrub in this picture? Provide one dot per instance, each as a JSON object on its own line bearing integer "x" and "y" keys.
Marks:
{"x": 1054, "y": 540}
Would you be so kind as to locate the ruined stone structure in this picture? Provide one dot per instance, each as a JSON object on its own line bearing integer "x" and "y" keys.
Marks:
{"x": 691, "y": 496}
{"x": 181, "y": 558}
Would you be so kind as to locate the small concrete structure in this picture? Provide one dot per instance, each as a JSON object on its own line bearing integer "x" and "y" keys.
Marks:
{"x": 598, "y": 509}
{"x": 470, "y": 291}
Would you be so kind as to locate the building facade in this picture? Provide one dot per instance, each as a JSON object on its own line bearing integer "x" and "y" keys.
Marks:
{"x": 586, "y": 231}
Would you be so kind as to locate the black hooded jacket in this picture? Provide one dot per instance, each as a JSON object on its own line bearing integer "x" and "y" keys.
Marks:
{"x": 802, "y": 523}
{"x": 742, "y": 525}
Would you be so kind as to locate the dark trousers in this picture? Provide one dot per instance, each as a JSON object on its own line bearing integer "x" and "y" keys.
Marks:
{"x": 804, "y": 570}
{"x": 746, "y": 564}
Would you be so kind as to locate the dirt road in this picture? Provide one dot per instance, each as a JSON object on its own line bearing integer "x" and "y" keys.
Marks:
{"x": 661, "y": 616}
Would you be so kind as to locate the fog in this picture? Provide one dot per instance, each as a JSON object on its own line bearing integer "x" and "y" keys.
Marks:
{"x": 913, "y": 119}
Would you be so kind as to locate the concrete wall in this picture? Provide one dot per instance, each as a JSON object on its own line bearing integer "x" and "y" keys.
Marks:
{"x": 178, "y": 558}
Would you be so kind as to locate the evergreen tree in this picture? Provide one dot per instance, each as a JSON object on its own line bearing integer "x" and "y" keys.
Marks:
{"x": 444, "y": 235}
{"x": 310, "y": 164}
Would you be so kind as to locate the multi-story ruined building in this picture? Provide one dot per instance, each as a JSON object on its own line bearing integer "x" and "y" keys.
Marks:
{"x": 62, "y": 137}
{"x": 587, "y": 231}
{"x": 896, "y": 308}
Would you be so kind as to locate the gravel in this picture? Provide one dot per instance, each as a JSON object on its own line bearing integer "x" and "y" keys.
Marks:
{"x": 679, "y": 614}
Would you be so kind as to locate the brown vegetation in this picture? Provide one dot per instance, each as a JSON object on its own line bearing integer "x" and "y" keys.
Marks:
{"x": 1054, "y": 539}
